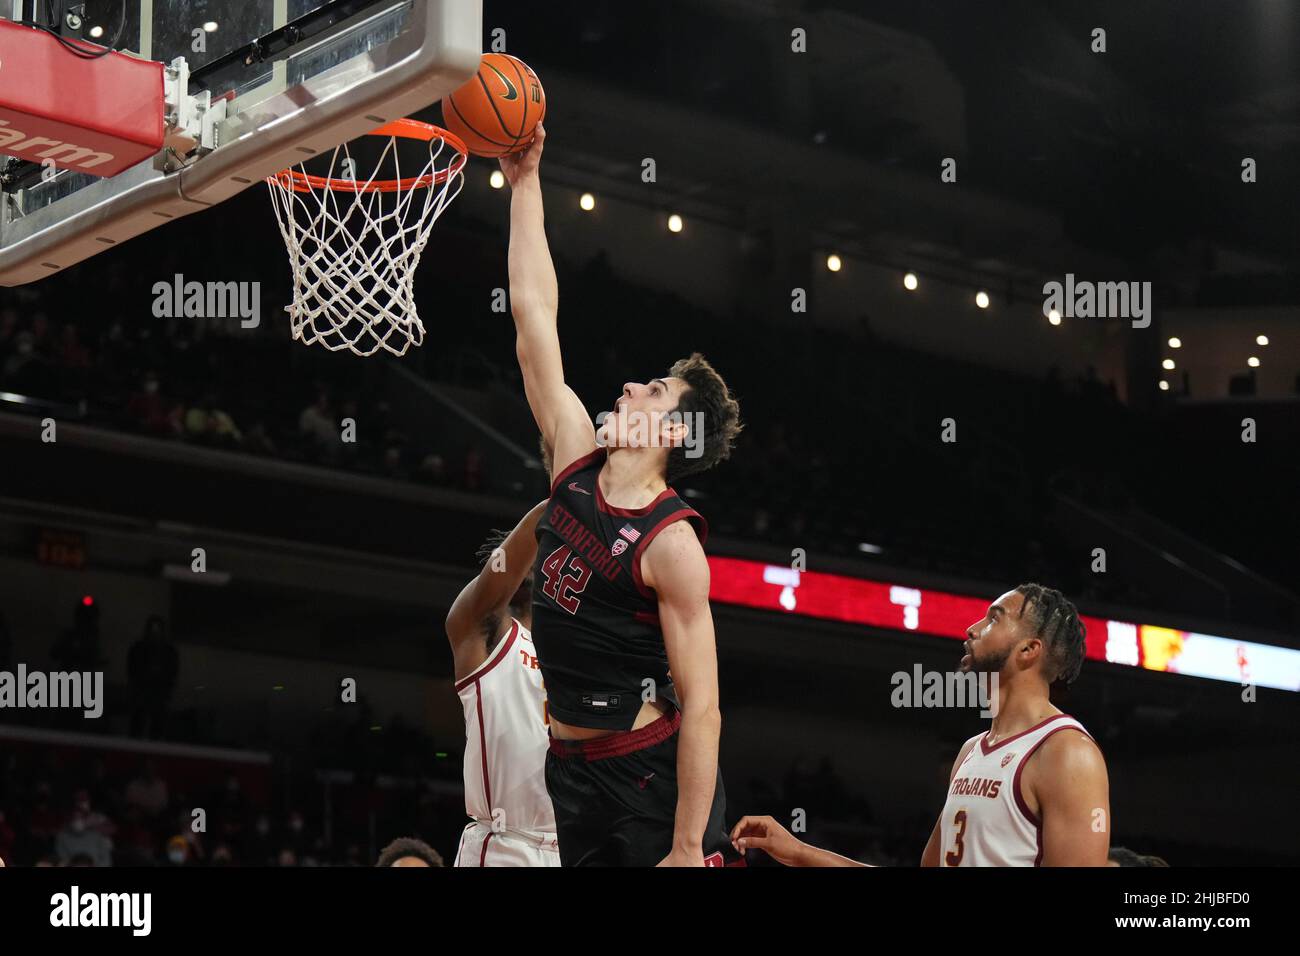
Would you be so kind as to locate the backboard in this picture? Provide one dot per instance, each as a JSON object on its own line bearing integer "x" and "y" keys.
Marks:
{"x": 297, "y": 77}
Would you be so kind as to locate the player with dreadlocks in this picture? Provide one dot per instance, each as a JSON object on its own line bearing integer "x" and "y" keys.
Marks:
{"x": 499, "y": 683}
{"x": 1030, "y": 791}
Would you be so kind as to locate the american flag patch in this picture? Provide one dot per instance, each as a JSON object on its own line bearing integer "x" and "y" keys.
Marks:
{"x": 629, "y": 532}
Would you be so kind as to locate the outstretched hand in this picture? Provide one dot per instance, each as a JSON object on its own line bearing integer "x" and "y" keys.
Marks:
{"x": 517, "y": 166}
{"x": 764, "y": 833}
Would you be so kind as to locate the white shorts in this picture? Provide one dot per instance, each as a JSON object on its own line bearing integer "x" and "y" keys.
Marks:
{"x": 479, "y": 846}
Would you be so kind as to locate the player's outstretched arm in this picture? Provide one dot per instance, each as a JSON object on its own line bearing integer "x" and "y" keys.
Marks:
{"x": 1073, "y": 792}
{"x": 534, "y": 302}
{"x": 479, "y": 610}
{"x": 674, "y": 565}
{"x": 764, "y": 833}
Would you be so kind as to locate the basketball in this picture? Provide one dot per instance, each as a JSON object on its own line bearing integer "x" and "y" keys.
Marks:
{"x": 496, "y": 112}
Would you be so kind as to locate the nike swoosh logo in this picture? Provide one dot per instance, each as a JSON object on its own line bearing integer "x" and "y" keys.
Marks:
{"x": 573, "y": 486}
{"x": 511, "y": 92}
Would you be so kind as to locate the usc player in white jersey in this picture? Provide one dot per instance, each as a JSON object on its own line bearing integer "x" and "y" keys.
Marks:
{"x": 499, "y": 683}
{"x": 1030, "y": 791}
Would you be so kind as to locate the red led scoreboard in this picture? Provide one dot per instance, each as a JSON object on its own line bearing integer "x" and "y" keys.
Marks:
{"x": 836, "y": 597}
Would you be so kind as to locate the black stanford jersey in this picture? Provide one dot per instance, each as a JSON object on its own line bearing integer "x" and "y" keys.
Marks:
{"x": 595, "y": 623}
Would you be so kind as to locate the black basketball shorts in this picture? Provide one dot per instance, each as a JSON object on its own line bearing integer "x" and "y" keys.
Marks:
{"x": 615, "y": 799}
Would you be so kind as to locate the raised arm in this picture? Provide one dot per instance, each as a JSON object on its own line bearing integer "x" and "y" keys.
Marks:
{"x": 674, "y": 565}
{"x": 479, "y": 610}
{"x": 534, "y": 301}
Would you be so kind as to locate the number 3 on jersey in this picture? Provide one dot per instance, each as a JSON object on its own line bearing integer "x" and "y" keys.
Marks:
{"x": 566, "y": 576}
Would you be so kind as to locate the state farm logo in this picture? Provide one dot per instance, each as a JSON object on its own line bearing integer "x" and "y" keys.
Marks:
{"x": 37, "y": 148}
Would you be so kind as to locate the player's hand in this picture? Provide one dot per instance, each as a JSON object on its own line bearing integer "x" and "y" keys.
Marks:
{"x": 764, "y": 833}
{"x": 679, "y": 857}
{"x": 517, "y": 166}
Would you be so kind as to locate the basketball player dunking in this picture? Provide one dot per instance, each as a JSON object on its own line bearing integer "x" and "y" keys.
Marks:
{"x": 501, "y": 693}
{"x": 1030, "y": 791}
{"x": 621, "y": 608}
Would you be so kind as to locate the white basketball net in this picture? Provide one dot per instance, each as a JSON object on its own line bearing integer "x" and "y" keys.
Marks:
{"x": 354, "y": 245}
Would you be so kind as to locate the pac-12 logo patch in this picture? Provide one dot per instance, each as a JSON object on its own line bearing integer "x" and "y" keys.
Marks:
{"x": 619, "y": 547}
{"x": 714, "y": 859}
{"x": 1007, "y": 759}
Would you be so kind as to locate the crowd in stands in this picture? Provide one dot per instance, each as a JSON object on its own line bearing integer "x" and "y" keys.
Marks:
{"x": 57, "y": 810}
{"x": 838, "y": 451}
{"x": 195, "y": 382}
{"x": 117, "y": 808}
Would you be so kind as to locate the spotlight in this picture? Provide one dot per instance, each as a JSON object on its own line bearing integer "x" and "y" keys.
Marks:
{"x": 1253, "y": 362}
{"x": 210, "y": 26}
{"x": 1175, "y": 343}
{"x": 497, "y": 179}
{"x": 910, "y": 282}
{"x": 1164, "y": 386}
{"x": 834, "y": 263}
{"x": 587, "y": 202}
{"x": 675, "y": 223}
{"x": 1261, "y": 340}
{"x": 982, "y": 299}
{"x": 1167, "y": 364}
{"x": 1054, "y": 316}
{"x": 96, "y": 32}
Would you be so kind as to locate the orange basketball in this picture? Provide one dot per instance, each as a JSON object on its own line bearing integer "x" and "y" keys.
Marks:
{"x": 496, "y": 112}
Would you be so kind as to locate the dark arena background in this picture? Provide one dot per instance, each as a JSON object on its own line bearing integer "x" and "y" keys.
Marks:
{"x": 855, "y": 211}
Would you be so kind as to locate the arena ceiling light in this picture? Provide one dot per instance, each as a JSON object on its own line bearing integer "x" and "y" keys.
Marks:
{"x": 1175, "y": 343}
{"x": 910, "y": 282}
{"x": 497, "y": 179}
{"x": 1253, "y": 362}
{"x": 1054, "y": 316}
{"x": 96, "y": 31}
{"x": 834, "y": 263}
{"x": 1167, "y": 364}
{"x": 1261, "y": 340}
{"x": 210, "y": 26}
{"x": 587, "y": 202}
{"x": 982, "y": 299}
{"x": 675, "y": 223}
{"x": 1164, "y": 386}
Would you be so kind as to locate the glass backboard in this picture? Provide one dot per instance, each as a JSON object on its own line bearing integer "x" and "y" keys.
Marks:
{"x": 298, "y": 77}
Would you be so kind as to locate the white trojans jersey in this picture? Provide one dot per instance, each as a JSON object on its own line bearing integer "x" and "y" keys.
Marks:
{"x": 506, "y": 737}
{"x": 985, "y": 820}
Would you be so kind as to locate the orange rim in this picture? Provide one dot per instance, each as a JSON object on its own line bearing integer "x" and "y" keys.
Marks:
{"x": 302, "y": 182}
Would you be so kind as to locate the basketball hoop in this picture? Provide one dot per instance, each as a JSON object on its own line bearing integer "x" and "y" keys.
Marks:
{"x": 354, "y": 243}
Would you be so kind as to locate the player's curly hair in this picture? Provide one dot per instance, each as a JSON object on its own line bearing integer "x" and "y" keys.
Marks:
{"x": 708, "y": 394}
{"x": 408, "y": 846}
{"x": 1056, "y": 621}
{"x": 1123, "y": 856}
{"x": 496, "y": 537}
